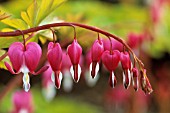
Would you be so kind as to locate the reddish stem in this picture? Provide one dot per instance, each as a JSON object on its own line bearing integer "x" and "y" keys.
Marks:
{"x": 48, "y": 26}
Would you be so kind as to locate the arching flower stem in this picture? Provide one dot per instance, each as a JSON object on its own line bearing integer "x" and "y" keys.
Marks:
{"x": 95, "y": 29}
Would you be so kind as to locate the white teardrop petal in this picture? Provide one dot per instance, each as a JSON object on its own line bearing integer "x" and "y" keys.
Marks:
{"x": 79, "y": 72}
{"x": 53, "y": 77}
{"x": 26, "y": 82}
{"x": 72, "y": 72}
{"x": 113, "y": 78}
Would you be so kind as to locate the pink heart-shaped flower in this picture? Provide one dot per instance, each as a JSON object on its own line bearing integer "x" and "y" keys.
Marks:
{"x": 111, "y": 60}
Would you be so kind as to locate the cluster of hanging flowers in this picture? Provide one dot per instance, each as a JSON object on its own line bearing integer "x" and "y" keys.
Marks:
{"x": 25, "y": 58}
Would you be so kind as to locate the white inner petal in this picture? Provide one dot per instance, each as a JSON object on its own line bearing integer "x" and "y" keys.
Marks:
{"x": 72, "y": 72}
{"x": 49, "y": 91}
{"x": 60, "y": 77}
{"x": 24, "y": 69}
{"x": 26, "y": 82}
{"x": 129, "y": 76}
{"x": 79, "y": 72}
{"x": 124, "y": 77}
{"x": 23, "y": 111}
{"x": 53, "y": 77}
{"x": 113, "y": 78}
{"x": 96, "y": 69}
{"x": 67, "y": 82}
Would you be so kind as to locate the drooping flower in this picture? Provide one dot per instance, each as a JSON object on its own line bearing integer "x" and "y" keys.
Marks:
{"x": 49, "y": 89}
{"x": 22, "y": 102}
{"x": 54, "y": 57}
{"x": 145, "y": 84}
{"x": 25, "y": 58}
{"x": 135, "y": 78}
{"x": 87, "y": 75}
{"x": 126, "y": 65}
{"x": 74, "y": 51}
{"x": 111, "y": 59}
{"x": 96, "y": 53}
{"x": 67, "y": 78}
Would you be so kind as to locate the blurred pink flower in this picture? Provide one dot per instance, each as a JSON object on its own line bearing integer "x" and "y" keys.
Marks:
{"x": 48, "y": 90}
{"x": 22, "y": 102}
{"x": 115, "y": 44}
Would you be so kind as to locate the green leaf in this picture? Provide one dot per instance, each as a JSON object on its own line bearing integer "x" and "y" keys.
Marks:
{"x": 6, "y": 59}
{"x": 46, "y": 7}
{"x": 3, "y": 16}
{"x": 30, "y": 15}
{"x": 15, "y": 23}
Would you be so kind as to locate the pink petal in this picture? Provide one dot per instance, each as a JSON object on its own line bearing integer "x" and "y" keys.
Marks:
{"x": 125, "y": 60}
{"x": 97, "y": 50}
{"x": 10, "y": 68}
{"x": 54, "y": 56}
{"x": 32, "y": 55}
{"x": 111, "y": 60}
{"x": 74, "y": 51}
{"x": 15, "y": 54}
{"x": 43, "y": 69}
{"x": 115, "y": 45}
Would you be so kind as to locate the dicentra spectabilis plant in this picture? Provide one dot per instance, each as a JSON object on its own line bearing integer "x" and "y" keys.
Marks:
{"x": 87, "y": 74}
{"x": 54, "y": 56}
{"x": 96, "y": 52}
{"x": 25, "y": 57}
{"x": 74, "y": 51}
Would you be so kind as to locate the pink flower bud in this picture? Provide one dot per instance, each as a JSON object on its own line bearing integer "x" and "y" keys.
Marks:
{"x": 135, "y": 78}
{"x": 125, "y": 60}
{"x": 111, "y": 60}
{"x": 145, "y": 84}
{"x": 74, "y": 51}
{"x": 54, "y": 56}
{"x": 96, "y": 52}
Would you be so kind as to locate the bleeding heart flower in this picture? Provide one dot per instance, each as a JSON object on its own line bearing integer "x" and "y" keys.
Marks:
{"x": 54, "y": 56}
{"x": 126, "y": 65}
{"x": 49, "y": 89}
{"x": 111, "y": 59}
{"x": 96, "y": 53}
{"x": 74, "y": 51}
{"x": 88, "y": 78}
{"x": 22, "y": 102}
{"x": 25, "y": 59}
